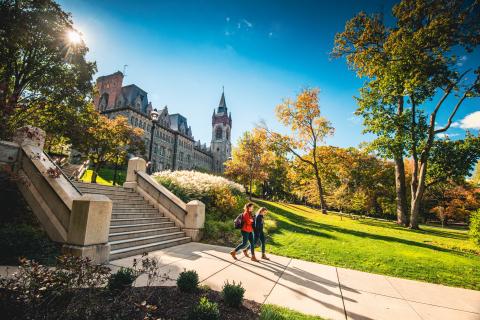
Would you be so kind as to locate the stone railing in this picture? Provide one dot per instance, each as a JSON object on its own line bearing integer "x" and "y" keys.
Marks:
{"x": 190, "y": 217}
{"x": 80, "y": 222}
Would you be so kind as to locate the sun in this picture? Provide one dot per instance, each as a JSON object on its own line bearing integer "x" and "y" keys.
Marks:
{"x": 74, "y": 37}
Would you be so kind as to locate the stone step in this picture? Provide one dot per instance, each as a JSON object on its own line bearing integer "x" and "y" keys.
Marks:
{"x": 117, "y": 222}
{"x": 131, "y": 251}
{"x": 107, "y": 192}
{"x": 134, "y": 242}
{"x": 94, "y": 186}
{"x": 140, "y": 226}
{"x": 141, "y": 233}
{"x": 130, "y": 201}
{"x": 117, "y": 216}
{"x": 136, "y": 210}
{"x": 132, "y": 206}
{"x": 119, "y": 198}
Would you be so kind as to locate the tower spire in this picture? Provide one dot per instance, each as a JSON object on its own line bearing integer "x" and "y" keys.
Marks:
{"x": 222, "y": 106}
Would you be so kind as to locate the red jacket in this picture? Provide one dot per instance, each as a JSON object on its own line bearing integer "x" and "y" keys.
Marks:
{"x": 247, "y": 222}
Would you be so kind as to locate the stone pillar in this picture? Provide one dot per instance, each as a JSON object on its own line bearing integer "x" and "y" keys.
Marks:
{"x": 195, "y": 220}
{"x": 29, "y": 135}
{"x": 89, "y": 227}
{"x": 135, "y": 165}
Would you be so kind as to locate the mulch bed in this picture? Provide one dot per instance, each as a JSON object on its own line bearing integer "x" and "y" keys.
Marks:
{"x": 173, "y": 304}
{"x": 133, "y": 303}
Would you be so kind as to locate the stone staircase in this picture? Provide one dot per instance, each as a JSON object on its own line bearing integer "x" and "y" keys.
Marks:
{"x": 136, "y": 226}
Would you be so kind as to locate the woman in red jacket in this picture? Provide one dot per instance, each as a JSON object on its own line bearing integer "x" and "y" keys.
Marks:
{"x": 247, "y": 233}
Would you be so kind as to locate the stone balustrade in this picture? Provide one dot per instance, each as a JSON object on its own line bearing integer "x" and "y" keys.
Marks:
{"x": 188, "y": 216}
{"x": 80, "y": 222}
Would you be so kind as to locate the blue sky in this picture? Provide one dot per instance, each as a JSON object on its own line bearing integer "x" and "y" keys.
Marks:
{"x": 183, "y": 52}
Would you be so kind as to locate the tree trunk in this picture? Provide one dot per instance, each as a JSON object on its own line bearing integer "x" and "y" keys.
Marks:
{"x": 95, "y": 170}
{"x": 401, "y": 192}
{"x": 418, "y": 195}
{"x": 323, "y": 204}
{"x": 250, "y": 189}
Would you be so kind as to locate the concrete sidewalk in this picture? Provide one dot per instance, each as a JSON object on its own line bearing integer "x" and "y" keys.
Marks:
{"x": 326, "y": 291}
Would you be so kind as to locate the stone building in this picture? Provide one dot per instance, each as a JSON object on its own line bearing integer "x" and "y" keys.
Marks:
{"x": 174, "y": 147}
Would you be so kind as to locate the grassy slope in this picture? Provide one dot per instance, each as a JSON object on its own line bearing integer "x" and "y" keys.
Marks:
{"x": 105, "y": 176}
{"x": 437, "y": 255}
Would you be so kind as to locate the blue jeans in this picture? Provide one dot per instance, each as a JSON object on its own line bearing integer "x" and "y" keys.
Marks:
{"x": 246, "y": 238}
{"x": 260, "y": 236}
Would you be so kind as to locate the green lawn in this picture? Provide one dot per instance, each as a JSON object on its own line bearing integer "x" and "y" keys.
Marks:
{"x": 105, "y": 176}
{"x": 444, "y": 256}
{"x": 273, "y": 312}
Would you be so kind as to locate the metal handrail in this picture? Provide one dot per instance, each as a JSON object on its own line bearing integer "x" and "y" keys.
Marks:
{"x": 63, "y": 173}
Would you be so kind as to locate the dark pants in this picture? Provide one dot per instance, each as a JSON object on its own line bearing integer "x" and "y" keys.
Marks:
{"x": 246, "y": 238}
{"x": 260, "y": 236}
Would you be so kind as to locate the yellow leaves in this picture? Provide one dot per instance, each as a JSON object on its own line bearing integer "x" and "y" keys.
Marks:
{"x": 303, "y": 117}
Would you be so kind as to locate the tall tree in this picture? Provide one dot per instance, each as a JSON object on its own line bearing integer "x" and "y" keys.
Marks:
{"x": 249, "y": 160}
{"x": 308, "y": 130}
{"x": 407, "y": 64}
{"x": 41, "y": 64}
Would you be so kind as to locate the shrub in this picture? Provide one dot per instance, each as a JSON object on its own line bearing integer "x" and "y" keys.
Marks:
{"x": 121, "y": 279}
{"x": 188, "y": 281}
{"x": 204, "y": 310}
{"x": 35, "y": 284}
{"x": 475, "y": 227}
{"x": 23, "y": 240}
{"x": 223, "y": 199}
{"x": 233, "y": 294}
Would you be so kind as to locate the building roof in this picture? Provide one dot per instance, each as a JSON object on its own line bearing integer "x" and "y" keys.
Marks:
{"x": 222, "y": 106}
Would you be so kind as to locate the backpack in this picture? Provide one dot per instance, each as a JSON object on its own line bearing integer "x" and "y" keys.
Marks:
{"x": 238, "y": 222}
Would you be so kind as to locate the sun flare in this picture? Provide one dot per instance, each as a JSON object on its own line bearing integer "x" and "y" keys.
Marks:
{"x": 74, "y": 37}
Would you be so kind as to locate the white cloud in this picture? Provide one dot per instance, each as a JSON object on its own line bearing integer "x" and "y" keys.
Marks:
{"x": 471, "y": 121}
{"x": 247, "y": 23}
{"x": 455, "y": 124}
{"x": 446, "y": 135}
{"x": 227, "y": 19}
{"x": 270, "y": 34}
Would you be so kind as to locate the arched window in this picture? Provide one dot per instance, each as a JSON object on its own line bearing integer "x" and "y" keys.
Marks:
{"x": 103, "y": 102}
{"x": 218, "y": 133}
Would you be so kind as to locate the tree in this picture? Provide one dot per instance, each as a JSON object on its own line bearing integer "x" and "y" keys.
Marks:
{"x": 411, "y": 62}
{"x": 454, "y": 201}
{"x": 249, "y": 160}
{"x": 308, "y": 130}
{"x": 476, "y": 174}
{"x": 452, "y": 160}
{"x": 108, "y": 140}
{"x": 39, "y": 66}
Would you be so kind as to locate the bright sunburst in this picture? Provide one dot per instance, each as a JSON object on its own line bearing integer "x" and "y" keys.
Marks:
{"x": 74, "y": 37}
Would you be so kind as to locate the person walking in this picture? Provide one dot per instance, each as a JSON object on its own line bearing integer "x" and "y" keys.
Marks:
{"x": 247, "y": 233}
{"x": 258, "y": 230}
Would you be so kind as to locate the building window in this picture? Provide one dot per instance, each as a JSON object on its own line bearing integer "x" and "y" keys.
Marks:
{"x": 155, "y": 148}
{"x": 218, "y": 133}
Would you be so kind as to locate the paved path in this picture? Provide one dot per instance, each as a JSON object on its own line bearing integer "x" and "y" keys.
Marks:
{"x": 330, "y": 292}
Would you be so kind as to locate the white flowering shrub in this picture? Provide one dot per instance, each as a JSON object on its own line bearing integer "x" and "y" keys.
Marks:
{"x": 196, "y": 184}
{"x": 224, "y": 200}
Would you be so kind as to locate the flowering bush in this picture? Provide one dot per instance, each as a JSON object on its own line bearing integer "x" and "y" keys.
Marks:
{"x": 223, "y": 199}
{"x": 197, "y": 184}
